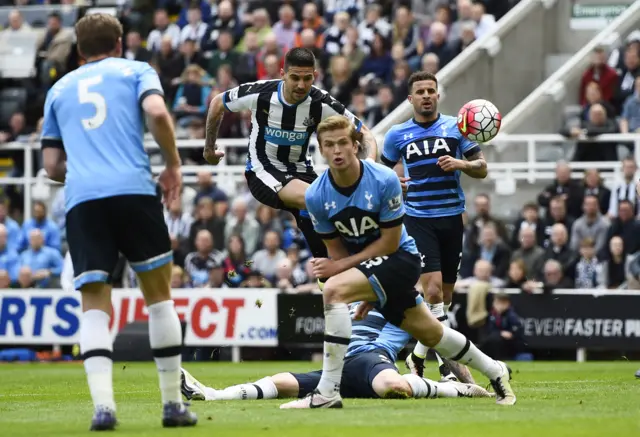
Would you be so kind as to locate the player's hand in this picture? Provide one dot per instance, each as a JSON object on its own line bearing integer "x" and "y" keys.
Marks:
{"x": 170, "y": 181}
{"x": 213, "y": 156}
{"x": 506, "y": 335}
{"x": 324, "y": 267}
{"x": 403, "y": 184}
{"x": 362, "y": 310}
{"x": 449, "y": 163}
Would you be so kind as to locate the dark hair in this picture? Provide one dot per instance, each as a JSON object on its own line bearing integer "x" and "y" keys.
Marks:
{"x": 98, "y": 34}
{"x": 421, "y": 75}
{"x": 55, "y": 15}
{"x": 299, "y": 57}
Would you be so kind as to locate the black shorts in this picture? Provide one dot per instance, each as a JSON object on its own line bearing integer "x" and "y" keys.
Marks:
{"x": 439, "y": 240}
{"x": 265, "y": 184}
{"x": 99, "y": 230}
{"x": 393, "y": 279}
{"x": 357, "y": 375}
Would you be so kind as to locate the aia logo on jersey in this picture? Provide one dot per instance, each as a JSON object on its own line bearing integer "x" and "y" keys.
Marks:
{"x": 430, "y": 147}
{"x": 354, "y": 223}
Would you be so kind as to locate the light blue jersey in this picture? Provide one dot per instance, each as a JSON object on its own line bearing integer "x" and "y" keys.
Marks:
{"x": 356, "y": 213}
{"x": 432, "y": 192}
{"x": 375, "y": 332}
{"x": 94, "y": 112}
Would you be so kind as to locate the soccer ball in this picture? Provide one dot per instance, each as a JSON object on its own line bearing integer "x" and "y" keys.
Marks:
{"x": 479, "y": 120}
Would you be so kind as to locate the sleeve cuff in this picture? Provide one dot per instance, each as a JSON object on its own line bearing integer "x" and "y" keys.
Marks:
{"x": 386, "y": 161}
{"x": 359, "y": 125}
{"x": 330, "y": 235}
{"x": 54, "y": 143}
{"x": 472, "y": 151}
{"x": 224, "y": 101}
{"x": 392, "y": 223}
{"x": 148, "y": 93}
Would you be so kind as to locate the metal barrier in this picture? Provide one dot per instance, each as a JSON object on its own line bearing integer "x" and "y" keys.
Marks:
{"x": 528, "y": 169}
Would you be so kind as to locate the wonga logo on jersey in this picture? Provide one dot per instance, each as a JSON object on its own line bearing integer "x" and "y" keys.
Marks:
{"x": 285, "y": 137}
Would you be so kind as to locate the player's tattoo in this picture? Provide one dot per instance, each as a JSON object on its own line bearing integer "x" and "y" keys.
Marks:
{"x": 214, "y": 119}
{"x": 476, "y": 166}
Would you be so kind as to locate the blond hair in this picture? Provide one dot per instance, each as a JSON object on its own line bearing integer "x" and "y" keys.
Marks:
{"x": 337, "y": 122}
{"x": 98, "y": 34}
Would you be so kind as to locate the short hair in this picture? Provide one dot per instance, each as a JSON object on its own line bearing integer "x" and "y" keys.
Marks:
{"x": 299, "y": 57}
{"x": 98, "y": 34}
{"x": 336, "y": 122}
{"x": 587, "y": 242}
{"x": 530, "y": 205}
{"x": 421, "y": 75}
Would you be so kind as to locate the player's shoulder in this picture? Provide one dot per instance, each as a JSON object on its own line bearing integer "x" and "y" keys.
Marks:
{"x": 260, "y": 86}
{"x": 379, "y": 172}
{"x": 315, "y": 189}
{"x": 401, "y": 128}
{"x": 450, "y": 123}
{"x": 318, "y": 95}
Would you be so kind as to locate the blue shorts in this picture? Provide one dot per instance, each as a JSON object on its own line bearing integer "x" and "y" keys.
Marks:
{"x": 357, "y": 376}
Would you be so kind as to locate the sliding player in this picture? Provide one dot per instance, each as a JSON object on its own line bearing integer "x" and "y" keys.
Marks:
{"x": 369, "y": 372}
{"x": 357, "y": 208}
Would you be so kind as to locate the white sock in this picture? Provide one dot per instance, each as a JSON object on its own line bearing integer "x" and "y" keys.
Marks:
{"x": 337, "y": 332}
{"x": 165, "y": 337}
{"x": 457, "y": 347}
{"x": 97, "y": 346}
{"x": 420, "y": 350}
{"x": 446, "y": 390}
{"x": 261, "y": 389}
{"x": 421, "y": 387}
{"x": 445, "y": 309}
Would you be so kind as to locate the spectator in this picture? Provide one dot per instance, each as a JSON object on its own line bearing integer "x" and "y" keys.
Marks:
{"x": 266, "y": 260}
{"x": 163, "y": 27}
{"x": 178, "y": 222}
{"x": 630, "y": 119}
{"x": 191, "y": 97}
{"x": 204, "y": 9}
{"x": 9, "y": 259}
{"x": 135, "y": 51}
{"x": 564, "y": 187}
{"x": 293, "y": 255}
{"x": 47, "y": 227}
{"x": 352, "y": 49}
{"x": 360, "y": 106}
{"x": 255, "y": 279}
{"x": 190, "y": 55}
{"x": 293, "y": 236}
{"x": 557, "y": 214}
{"x": 198, "y": 264}
{"x": 14, "y": 233}
{"x": 170, "y": 65}
{"x": 399, "y": 85}
{"x": 505, "y": 334}
{"x": 493, "y": 250}
{"x": 531, "y": 255}
{"x": 559, "y": 250}
{"x": 308, "y": 41}
{"x": 217, "y": 277}
{"x": 438, "y": 44}
{"x": 25, "y": 278}
{"x": 593, "y": 95}
{"x": 236, "y": 264}
{"x": 247, "y": 66}
{"x": 287, "y": 27}
{"x": 271, "y": 69}
{"x": 406, "y": 32}
{"x": 224, "y": 55}
{"x": 485, "y": 23}
{"x": 467, "y": 38}
{"x": 554, "y": 277}
{"x": 597, "y": 124}
{"x": 178, "y": 278}
{"x": 16, "y": 24}
{"x": 207, "y": 220}
{"x": 208, "y": 188}
{"x": 517, "y": 274}
{"x": 242, "y": 224}
{"x": 341, "y": 79}
{"x": 626, "y": 227}
{"x": 313, "y": 21}
{"x": 588, "y": 270}
{"x": 284, "y": 280}
{"x": 373, "y": 24}
{"x": 482, "y": 206}
{"x": 378, "y": 64}
{"x": 625, "y": 189}
{"x": 268, "y": 220}
{"x": 195, "y": 28}
{"x": 384, "y": 106}
{"x": 261, "y": 27}
{"x": 630, "y": 71}
{"x": 616, "y": 58}
{"x": 45, "y": 262}
{"x": 592, "y": 225}
{"x": 601, "y": 74}
{"x": 615, "y": 266}
{"x": 335, "y": 37}
{"x": 431, "y": 63}
{"x": 529, "y": 219}
{"x": 465, "y": 15}
{"x": 593, "y": 186}
{"x": 54, "y": 47}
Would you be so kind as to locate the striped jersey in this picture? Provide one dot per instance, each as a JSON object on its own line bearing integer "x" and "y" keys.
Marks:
{"x": 280, "y": 132}
{"x": 432, "y": 192}
{"x": 374, "y": 332}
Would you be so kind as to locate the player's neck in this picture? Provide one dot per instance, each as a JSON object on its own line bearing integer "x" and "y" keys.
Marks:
{"x": 426, "y": 118}
{"x": 97, "y": 58}
{"x": 347, "y": 177}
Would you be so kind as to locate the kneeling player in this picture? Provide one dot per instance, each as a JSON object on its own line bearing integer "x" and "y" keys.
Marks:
{"x": 357, "y": 208}
{"x": 369, "y": 372}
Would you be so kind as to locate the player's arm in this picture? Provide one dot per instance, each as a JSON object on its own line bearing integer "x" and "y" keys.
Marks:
{"x": 336, "y": 249}
{"x": 160, "y": 125}
{"x": 54, "y": 158}
{"x": 234, "y": 100}
{"x": 476, "y": 166}
{"x": 391, "y": 157}
{"x": 323, "y": 226}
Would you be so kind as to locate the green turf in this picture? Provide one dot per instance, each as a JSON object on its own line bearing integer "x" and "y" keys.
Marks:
{"x": 554, "y": 400}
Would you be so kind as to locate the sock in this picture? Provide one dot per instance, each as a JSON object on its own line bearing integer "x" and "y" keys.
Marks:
{"x": 421, "y": 387}
{"x": 445, "y": 312}
{"x": 444, "y": 370}
{"x": 96, "y": 346}
{"x": 457, "y": 347}
{"x": 262, "y": 389}
{"x": 337, "y": 332}
{"x": 420, "y": 351}
{"x": 165, "y": 337}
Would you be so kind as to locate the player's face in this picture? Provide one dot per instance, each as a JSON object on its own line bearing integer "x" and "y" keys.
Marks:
{"x": 338, "y": 149}
{"x": 424, "y": 98}
{"x": 298, "y": 82}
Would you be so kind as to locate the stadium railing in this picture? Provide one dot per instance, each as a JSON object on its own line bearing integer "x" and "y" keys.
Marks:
{"x": 543, "y": 109}
{"x": 511, "y": 58}
{"x": 527, "y": 167}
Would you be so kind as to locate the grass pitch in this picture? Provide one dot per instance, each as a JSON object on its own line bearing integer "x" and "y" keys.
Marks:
{"x": 554, "y": 400}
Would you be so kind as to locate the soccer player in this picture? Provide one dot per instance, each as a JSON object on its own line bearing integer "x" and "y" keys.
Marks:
{"x": 357, "y": 208}
{"x": 92, "y": 141}
{"x": 284, "y": 115}
{"x": 431, "y": 148}
{"x": 369, "y": 372}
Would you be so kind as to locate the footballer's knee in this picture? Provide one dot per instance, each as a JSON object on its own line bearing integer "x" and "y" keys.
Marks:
{"x": 335, "y": 290}
{"x": 96, "y": 296}
{"x": 390, "y": 384}
{"x": 286, "y": 384}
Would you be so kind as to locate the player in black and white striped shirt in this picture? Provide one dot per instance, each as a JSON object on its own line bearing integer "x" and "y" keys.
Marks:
{"x": 284, "y": 115}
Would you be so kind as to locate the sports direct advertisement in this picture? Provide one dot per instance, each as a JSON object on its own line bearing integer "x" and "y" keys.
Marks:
{"x": 214, "y": 317}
